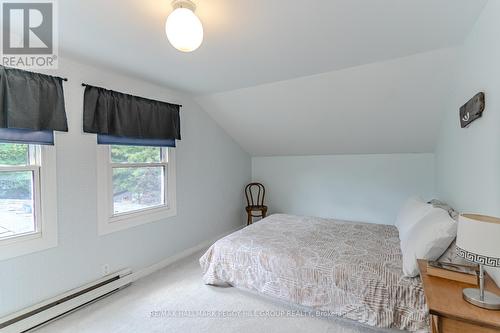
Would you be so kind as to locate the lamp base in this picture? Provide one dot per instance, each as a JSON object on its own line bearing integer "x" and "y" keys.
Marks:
{"x": 490, "y": 301}
{"x": 184, "y": 4}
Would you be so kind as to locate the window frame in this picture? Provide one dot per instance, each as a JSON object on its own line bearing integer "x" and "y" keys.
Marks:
{"x": 44, "y": 202}
{"x": 108, "y": 221}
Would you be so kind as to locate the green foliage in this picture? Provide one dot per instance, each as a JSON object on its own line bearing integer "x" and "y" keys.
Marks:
{"x": 144, "y": 184}
{"x": 13, "y": 154}
{"x": 133, "y": 154}
{"x": 14, "y": 185}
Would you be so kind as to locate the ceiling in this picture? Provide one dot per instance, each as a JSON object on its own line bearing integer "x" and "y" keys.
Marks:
{"x": 387, "y": 107}
{"x": 251, "y": 42}
{"x": 289, "y": 77}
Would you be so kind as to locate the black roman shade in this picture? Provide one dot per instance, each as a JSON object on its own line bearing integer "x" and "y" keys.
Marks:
{"x": 120, "y": 118}
{"x": 31, "y": 106}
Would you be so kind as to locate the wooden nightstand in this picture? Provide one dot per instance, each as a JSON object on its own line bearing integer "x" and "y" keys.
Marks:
{"x": 450, "y": 313}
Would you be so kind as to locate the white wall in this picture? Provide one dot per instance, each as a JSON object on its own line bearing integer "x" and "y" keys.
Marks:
{"x": 468, "y": 160}
{"x": 211, "y": 173}
{"x": 369, "y": 188}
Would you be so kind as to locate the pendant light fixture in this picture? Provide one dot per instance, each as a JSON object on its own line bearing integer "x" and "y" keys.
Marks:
{"x": 184, "y": 29}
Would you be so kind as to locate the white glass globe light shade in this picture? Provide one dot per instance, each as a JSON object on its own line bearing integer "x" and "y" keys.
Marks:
{"x": 184, "y": 30}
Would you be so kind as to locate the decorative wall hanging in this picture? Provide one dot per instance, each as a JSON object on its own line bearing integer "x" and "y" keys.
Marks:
{"x": 472, "y": 110}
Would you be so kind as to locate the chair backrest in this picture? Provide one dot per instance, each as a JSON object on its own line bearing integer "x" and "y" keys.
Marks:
{"x": 255, "y": 193}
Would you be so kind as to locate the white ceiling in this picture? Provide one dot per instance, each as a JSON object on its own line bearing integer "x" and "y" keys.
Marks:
{"x": 250, "y": 42}
{"x": 289, "y": 77}
{"x": 388, "y": 107}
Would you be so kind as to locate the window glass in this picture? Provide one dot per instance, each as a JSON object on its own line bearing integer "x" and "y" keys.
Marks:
{"x": 13, "y": 154}
{"x": 137, "y": 188}
{"x": 16, "y": 203}
{"x": 134, "y": 154}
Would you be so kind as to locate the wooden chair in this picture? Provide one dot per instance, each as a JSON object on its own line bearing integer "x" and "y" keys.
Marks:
{"x": 255, "y": 203}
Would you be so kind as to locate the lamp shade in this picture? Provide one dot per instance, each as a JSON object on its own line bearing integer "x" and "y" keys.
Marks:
{"x": 478, "y": 239}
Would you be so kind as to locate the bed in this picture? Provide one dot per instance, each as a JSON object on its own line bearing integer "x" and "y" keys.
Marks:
{"x": 347, "y": 269}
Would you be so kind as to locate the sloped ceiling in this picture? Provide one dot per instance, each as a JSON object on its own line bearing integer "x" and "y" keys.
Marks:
{"x": 387, "y": 107}
{"x": 250, "y": 42}
{"x": 290, "y": 77}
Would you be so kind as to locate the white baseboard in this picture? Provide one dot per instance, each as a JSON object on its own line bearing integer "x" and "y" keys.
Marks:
{"x": 181, "y": 255}
{"x": 69, "y": 306}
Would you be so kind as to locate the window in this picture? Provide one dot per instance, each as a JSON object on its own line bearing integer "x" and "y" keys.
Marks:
{"x": 138, "y": 178}
{"x": 19, "y": 190}
{"x": 27, "y": 183}
{"x": 136, "y": 186}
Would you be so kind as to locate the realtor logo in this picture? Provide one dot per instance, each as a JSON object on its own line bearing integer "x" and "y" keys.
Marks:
{"x": 29, "y": 34}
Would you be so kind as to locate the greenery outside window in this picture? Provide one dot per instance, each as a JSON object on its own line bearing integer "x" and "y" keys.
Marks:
{"x": 19, "y": 190}
{"x": 136, "y": 186}
{"x": 139, "y": 176}
{"x": 28, "y": 199}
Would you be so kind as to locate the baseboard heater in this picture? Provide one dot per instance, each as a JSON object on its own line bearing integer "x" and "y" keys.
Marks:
{"x": 59, "y": 306}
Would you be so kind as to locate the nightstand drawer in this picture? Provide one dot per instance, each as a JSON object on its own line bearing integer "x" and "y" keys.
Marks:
{"x": 445, "y": 325}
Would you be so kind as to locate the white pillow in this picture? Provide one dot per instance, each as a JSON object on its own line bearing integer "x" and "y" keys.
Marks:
{"x": 428, "y": 239}
{"x": 412, "y": 211}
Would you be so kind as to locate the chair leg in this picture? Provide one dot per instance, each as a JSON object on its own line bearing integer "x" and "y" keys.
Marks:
{"x": 249, "y": 218}
{"x": 264, "y": 213}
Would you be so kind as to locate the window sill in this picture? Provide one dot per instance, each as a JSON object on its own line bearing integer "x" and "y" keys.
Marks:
{"x": 126, "y": 221}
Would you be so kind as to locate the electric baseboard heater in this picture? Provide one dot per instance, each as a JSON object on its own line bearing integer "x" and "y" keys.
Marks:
{"x": 45, "y": 312}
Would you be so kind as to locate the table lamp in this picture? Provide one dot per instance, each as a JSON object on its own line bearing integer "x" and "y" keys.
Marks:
{"x": 478, "y": 241}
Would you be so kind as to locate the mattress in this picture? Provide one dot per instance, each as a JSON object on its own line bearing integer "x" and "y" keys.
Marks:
{"x": 346, "y": 269}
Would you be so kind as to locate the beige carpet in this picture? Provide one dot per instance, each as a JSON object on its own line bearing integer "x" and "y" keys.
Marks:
{"x": 200, "y": 308}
